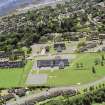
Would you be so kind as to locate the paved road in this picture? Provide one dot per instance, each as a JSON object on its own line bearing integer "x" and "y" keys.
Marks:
{"x": 41, "y": 94}
{"x": 52, "y": 90}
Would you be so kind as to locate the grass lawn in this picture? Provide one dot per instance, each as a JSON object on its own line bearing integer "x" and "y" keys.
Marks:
{"x": 14, "y": 77}
{"x": 71, "y": 75}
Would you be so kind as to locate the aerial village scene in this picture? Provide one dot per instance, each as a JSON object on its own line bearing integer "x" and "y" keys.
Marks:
{"x": 52, "y": 52}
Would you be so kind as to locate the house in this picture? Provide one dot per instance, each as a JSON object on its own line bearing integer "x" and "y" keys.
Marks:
{"x": 91, "y": 45}
{"x": 53, "y": 63}
{"x": 20, "y": 92}
{"x": 7, "y": 97}
{"x": 74, "y": 38}
{"x": 103, "y": 49}
{"x": 59, "y": 49}
{"x": 8, "y": 54}
{"x": 12, "y": 64}
{"x": 102, "y": 36}
{"x": 61, "y": 46}
{"x": 61, "y": 65}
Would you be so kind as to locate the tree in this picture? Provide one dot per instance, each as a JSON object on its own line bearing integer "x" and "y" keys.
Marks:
{"x": 93, "y": 70}
{"x": 91, "y": 88}
{"x": 58, "y": 38}
{"x": 81, "y": 64}
{"x": 29, "y": 50}
{"x": 85, "y": 90}
{"x": 77, "y": 65}
{"x": 96, "y": 61}
{"x": 103, "y": 58}
{"x": 80, "y": 44}
{"x": 102, "y": 63}
{"x": 43, "y": 39}
{"x": 86, "y": 101}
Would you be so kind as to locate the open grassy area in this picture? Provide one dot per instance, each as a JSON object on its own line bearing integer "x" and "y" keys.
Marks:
{"x": 14, "y": 77}
{"x": 73, "y": 75}
{"x": 69, "y": 76}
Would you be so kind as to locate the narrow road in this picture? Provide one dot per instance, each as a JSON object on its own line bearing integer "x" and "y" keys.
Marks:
{"x": 52, "y": 90}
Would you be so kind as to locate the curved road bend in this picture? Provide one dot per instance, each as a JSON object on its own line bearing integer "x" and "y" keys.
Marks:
{"x": 50, "y": 91}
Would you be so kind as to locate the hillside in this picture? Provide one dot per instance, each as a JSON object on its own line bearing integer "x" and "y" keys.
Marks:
{"x": 26, "y": 28}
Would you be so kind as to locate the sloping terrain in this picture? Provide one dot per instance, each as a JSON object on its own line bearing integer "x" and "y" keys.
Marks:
{"x": 27, "y": 28}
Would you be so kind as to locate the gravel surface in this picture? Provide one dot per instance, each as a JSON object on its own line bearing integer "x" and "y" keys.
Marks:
{"x": 36, "y": 79}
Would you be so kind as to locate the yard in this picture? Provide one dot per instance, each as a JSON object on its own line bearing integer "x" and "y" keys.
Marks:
{"x": 73, "y": 75}
{"x": 14, "y": 77}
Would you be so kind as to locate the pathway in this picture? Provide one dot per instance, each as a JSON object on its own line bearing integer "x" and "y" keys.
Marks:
{"x": 52, "y": 90}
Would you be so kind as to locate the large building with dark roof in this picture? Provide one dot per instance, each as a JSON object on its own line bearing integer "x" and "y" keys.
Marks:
{"x": 8, "y": 54}
{"x": 12, "y": 64}
{"x": 52, "y": 63}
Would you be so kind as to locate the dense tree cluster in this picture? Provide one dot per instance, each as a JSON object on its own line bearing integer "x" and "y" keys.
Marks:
{"x": 27, "y": 28}
{"x": 94, "y": 96}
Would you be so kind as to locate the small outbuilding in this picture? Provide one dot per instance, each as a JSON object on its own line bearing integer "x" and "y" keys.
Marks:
{"x": 59, "y": 46}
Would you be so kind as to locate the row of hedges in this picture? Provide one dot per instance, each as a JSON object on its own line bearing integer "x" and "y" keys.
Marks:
{"x": 88, "y": 98}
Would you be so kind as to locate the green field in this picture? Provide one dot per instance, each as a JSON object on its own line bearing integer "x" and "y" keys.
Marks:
{"x": 71, "y": 75}
{"x": 14, "y": 77}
